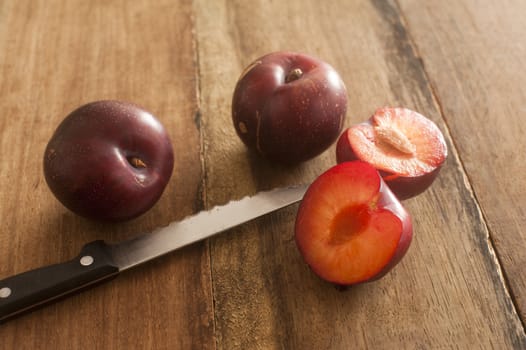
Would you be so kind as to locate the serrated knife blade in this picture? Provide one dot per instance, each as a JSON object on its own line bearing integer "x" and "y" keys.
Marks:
{"x": 99, "y": 261}
{"x": 203, "y": 225}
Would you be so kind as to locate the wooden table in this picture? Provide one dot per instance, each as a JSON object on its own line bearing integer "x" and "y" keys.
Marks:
{"x": 461, "y": 63}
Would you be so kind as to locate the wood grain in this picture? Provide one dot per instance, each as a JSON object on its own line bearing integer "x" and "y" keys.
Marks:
{"x": 54, "y": 57}
{"x": 475, "y": 54}
{"x": 457, "y": 63}
{"x": 447, "y": 293}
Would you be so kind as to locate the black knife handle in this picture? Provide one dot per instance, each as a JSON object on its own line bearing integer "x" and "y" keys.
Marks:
{"x": 23, "y": 292}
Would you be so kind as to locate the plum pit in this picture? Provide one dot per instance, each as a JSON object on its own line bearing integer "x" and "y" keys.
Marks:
{"x": 395, "y": 139}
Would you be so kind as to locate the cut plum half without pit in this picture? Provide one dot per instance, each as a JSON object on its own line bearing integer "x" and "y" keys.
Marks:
{"x": 350, "y": 228}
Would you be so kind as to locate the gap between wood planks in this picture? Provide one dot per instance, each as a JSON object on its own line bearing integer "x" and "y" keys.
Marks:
{"x": 201, "y": 200}
{"x": 467, "y": 180}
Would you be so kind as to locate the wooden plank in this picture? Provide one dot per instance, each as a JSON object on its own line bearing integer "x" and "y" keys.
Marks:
{"x": 447, "y": 293}
{"x": 475, "y": 52}
{"x": 55, "y": 56}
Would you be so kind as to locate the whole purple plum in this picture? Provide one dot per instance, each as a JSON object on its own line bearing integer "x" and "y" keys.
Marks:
{"x": 109, "y": 160}
{"x": 289, "y": 107}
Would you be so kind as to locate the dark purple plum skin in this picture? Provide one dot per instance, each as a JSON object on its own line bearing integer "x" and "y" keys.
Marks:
{"x": 289, "y": 121}
{"x": 109, "y": 161}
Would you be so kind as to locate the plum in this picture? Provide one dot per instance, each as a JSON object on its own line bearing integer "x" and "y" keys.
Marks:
{"x": 109, "y": 160}
{"x": 406, "y": 148}
{"x": 289, "y": 107}
{"x": 350, "y": 228}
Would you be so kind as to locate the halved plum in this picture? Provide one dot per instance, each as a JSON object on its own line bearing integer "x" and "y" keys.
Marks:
{"x": 350, "y": 228}
{"x": 406, "y": 148}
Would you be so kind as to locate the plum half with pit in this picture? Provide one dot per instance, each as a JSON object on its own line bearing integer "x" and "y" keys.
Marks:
{"x": 289, "y": 107}
{"x": 407, "y": 149}
{"x": 109, "y": 160}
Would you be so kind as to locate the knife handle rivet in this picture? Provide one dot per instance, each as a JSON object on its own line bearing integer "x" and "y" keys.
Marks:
{"x": 86, "y": 260}
{"x": 5, "y": 292}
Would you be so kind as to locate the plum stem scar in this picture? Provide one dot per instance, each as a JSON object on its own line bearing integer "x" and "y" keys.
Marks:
{"x": 137, "y": 163}
{"x": 294, "y": 74}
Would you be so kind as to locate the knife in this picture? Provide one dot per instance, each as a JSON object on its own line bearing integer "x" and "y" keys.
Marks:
{"x": 99, "y": 261}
